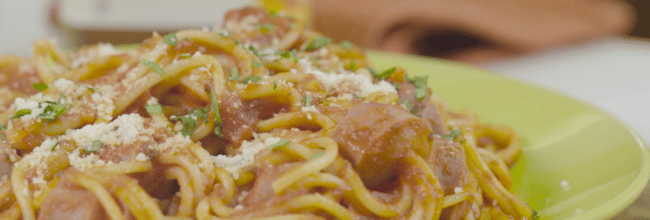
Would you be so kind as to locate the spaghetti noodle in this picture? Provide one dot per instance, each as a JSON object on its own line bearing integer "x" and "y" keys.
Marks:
{"x": 257, "y": 119}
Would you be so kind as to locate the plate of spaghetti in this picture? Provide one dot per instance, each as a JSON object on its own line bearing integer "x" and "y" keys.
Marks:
{"x": 260, "y": 118}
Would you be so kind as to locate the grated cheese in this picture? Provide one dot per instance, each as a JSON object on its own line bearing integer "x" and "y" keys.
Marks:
{"x": 333, "y": 81}
{"x": 246, "y": 157}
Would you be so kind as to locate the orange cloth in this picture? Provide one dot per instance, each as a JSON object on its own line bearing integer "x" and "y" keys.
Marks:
{"x": 471, "y": 31}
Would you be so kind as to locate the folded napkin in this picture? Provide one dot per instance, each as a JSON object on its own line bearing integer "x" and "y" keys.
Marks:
{"x": 471, "y": 31}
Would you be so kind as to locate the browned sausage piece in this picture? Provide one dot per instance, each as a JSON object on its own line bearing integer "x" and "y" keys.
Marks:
{"x": 67, "y": 201}
{"x": 373, "y": 137}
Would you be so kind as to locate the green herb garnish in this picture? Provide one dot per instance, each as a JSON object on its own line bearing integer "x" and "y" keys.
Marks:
{"x": 50, "y": 62}
{"x": 451, "y": 136}
{"x": 170, "y": 39}
{"x": 94, "y": 147}
{"x": 307, "y": 100}
{"x": 234, "y": 74}
{"x": 420, "y": 93}
{"x": 154, "y": 109}
{"x": 266, "y": 28}
{"x": 154, "y": 66}
{"x": 396, "y": 85}
{"x": 217, "y": 117}
{"x": 256, "y": 63}
{"x": 273, "y": 13}
{"x": 385, "y": 74}
{"x": 280, "y": 143}
{"x": 185, "y": 55}
{"x": 40, "y": 86}
{"x": 275, "y": 85}
{"x": 346, "y": 44}
{"x": 251, "y": 79}
{"x": 290, "y": 55}
{"x": 56, "y": 144}
{"x": 254, "y": 50}
{"x": 91, "y": 89}
{"x": 22, "y": 112}
{"x": 318, "y": 43}
{"x": 189, "y": 120}
{"x": 52, "y": 110}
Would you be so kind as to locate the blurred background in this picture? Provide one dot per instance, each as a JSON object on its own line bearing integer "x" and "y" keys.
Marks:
{"x": 470, "y": 31}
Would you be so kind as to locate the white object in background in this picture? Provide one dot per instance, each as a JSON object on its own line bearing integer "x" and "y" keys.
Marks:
{"x": 21, "y": 23}
{"x": 612, "y": 74}
{"x": 145, "y": 15}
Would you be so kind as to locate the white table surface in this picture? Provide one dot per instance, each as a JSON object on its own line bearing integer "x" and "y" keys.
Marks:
{"x": 612, "y": 73}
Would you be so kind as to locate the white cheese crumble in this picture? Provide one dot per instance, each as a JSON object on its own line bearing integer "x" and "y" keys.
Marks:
{"x": 458, "y": 190}
{"x": 246, "y": 157}
{"x": 125, "y": 129}
{"x": 332, "y": 81}
{"x": 141, "y": 157}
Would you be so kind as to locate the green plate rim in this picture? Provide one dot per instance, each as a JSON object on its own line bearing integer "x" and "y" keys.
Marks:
{"x": 602, "y": 211}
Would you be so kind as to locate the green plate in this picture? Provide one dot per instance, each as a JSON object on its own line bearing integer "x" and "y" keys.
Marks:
{"x": 604, "y": 162}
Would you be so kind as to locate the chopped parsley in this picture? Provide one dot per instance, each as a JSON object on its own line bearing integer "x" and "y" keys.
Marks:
{"x": 256, "y": 63}
{"x": 254, "y": 50}
{"x": 290, "y": 55}
{"x": 2, "y": 127}
{"x": 91, "y": 89}
{"x": 307, "y": 100}
{"x": 421, "y": 86}
{"x": 352, "y": 65}
{"x": 94, "y": 147}
{"x": 52, "y": 110}
{"x": 535, "y": 216}
{"x": 202, "y": 113}
{"x": 396, "y": 85}
{"x": 234, "y": 74}
{"x": 251, "y": 79}
{"x": 55, "y": 145}
{"x": 346, "y": 44}
{"x": 409, "y": 107}
{"x": 420, "y": 81}
{"x": 217, "y": 117}
{"x": 385, "y": 74}
{"x": 266, "y": 28}
{"x": 462, "y": 141}
{"x": 189, "y": 120}
{"x": 224, "y": 34}
{"x": 273, "y": 13}
{"x": 40, "y": 86}
{"x": 185, "y": 55}
{"x": 154, "y": 66}
{"x": 452, "y": 135}
{"x": 316, "y": 155}
{"x": 421, "y": 92}
{"x": 170, "y": 39}
{"x": 280, "y": 143}
{"x": 154, "y": 109}
{"x": 22, "y": 112}
{"x": 318, "y": 43}
{"x": 50, "y": 62}
{"x": 275, "y": 85}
